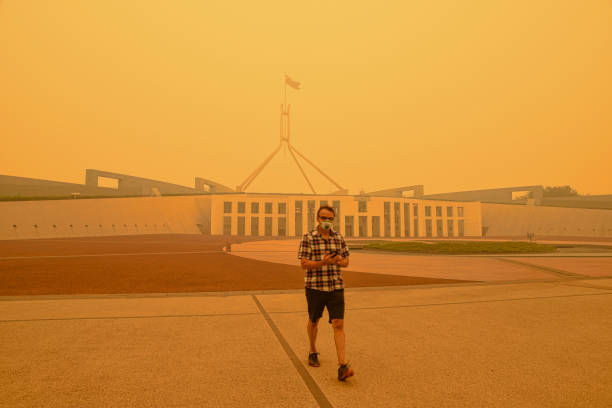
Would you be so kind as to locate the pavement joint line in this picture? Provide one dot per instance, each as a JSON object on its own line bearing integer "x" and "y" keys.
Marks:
{"x": 312, "y": 385}
{"x": 266, "y": 292}
{"x": 458, "y": 303}
{"x": 127, "y": 317}
{"x": 558, "y": 272}
{"x": 9, "y": 258}
{"x": 305, "y": 311}
{"x": 587, "y": 286}
{"x": 482, "y": 301}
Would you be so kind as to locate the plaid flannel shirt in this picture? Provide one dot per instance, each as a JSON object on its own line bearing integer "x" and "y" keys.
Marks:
{"x": 314, "y": 247}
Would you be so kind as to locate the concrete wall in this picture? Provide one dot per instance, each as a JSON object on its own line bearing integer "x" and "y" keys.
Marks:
{"x": 417, "y": 192}
{"x": 206, "y": 185}
{"x": 205, "y": 215}
{"x": 127, "y": 185}
{"x": 11, "y": 186}
{"x": 494, "y": 195}
{"x": 100, "y": 217}
{"x": 597, "y": 201}
{"x": 518, "y": 220}
{"x": 130, "y": 185}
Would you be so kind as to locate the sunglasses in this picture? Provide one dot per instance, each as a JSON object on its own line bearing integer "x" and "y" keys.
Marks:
{"x": 326, "y": 218}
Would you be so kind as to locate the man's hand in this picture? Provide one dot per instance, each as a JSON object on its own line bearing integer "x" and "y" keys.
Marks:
{"x": 328, "y": 259}
{"x": 340, "y": 261}
{"x": 336, "y": 260}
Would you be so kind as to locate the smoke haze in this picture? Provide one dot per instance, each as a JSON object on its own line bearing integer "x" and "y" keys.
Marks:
{"x": 453, "y": 95}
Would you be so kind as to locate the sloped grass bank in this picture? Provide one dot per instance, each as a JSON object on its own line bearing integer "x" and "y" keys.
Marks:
{"x": 461, "y": 247}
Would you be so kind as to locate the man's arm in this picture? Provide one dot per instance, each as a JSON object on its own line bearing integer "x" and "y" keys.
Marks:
{"x": 308, "y": 264}
{"x": 342, "y": 259}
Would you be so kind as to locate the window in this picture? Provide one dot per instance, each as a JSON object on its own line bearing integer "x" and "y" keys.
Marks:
{"x": 227, "y": 207}
{"x": 282, "y": 226}
{"x": 254, "y": 208}
{"x": 428, "y": 211}
{"x": 428, "y": 228}
{"x": 397, "y": 217}
{"x": 348, "y": 226}
{"x": 415, "y": 227}
{"x": 460, "y": 211}
{"x": 450, "y": 226}
{"x": 415, "y": 210}
{"x": 268, "y": 208}
{"x": 298, "y": 218}
{"x": 449, "y": 211}
{"x": 241, "y": 207}
{"x": 406, "y": 219}
{"x": 438, "y": 211}
{"x": 324, "y": 202}
{"x": 387, "y": 219}
{"x": 337, "y": 218}
{"x": 227, "y": 225}
{"x": 255, "y": 226}
{"x": 240, "y": 225}
{"x": 282, "y": 208}
{"x": 461, "y": 228}
{"x": 311, "y": 215}
{"x": 376, "y": 226}
{"x": 363, "y": 206}
{"x": 363, "y": 226}
{"x": 439, "y": 228}
{"x": 268, "y": 226}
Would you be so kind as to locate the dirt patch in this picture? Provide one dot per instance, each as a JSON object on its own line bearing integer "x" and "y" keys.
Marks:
{"x": 137, "y": 264}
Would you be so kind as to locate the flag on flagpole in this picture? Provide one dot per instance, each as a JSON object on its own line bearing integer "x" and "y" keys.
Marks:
{"x": 292, "y": 83}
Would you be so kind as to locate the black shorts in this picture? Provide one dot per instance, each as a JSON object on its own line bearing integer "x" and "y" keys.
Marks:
{"x": 319, "y": 299}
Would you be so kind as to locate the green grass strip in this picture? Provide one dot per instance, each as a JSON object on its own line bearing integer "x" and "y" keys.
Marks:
{"x": 461, "y": 247}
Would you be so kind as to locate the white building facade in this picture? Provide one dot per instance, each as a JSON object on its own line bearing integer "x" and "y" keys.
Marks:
{"x": 356, "y": 216}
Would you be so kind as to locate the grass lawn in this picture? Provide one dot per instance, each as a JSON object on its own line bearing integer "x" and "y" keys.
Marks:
{"x": 461, "y": 247}
{"x": 43, "y": 198}
{"x": 82, "y": 197}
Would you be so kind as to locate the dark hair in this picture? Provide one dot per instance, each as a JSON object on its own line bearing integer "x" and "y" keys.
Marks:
{"x": 326, "y": 207}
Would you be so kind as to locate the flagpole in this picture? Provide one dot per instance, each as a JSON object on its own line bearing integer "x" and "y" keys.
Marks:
{"x": 285, "y": 129}
{"x": 285, "y": 89}
{"x": 284, "y": 113}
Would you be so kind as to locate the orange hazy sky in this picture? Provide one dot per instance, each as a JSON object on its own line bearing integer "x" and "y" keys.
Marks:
{"x": 455, "y": 95}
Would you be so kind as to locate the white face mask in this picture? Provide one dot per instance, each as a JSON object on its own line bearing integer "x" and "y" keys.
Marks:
{"x": 326, "y": 225}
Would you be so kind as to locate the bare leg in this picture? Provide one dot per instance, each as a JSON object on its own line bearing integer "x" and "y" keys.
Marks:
{"x": 339, "y": 338}
{"x": 312, "y": 330}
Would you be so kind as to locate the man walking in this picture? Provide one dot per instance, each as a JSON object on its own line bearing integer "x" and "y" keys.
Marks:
{"x": 322, "y": 252}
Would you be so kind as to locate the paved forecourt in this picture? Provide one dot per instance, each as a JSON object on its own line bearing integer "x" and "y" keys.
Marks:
{"x": 535, "y": 344}
{"x": 487, "y": 268}
{"x": 534, "y": 332}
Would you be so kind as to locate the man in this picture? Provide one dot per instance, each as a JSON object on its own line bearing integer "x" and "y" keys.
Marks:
{"x": 322, "y": 252}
